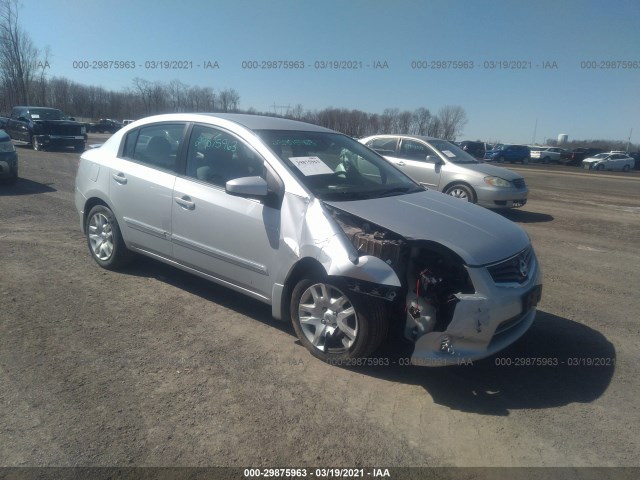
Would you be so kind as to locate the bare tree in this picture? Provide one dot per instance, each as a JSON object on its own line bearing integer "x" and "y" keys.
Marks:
{"x": 452, "y": 119}
{"x": 229, "y": 100}
{"x": 421, "y": 120}
{"x": 19, "y": 58}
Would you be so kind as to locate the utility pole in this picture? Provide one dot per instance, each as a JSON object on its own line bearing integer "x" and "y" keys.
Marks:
{"x": 629, "y": 140}
{"x": 533, "y": 140}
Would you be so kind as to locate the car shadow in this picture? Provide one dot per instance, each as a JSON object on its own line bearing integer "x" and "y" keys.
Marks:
{"x": 522, "y": 216}
{"x": 223, "y": 296}
{"x": 557, "y": 362}
{"x": 24, "y": 186}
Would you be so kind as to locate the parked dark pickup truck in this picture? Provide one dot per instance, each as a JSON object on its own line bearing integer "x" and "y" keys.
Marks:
{"x": 105, "y": 125}
{"x": 45, "y": 127}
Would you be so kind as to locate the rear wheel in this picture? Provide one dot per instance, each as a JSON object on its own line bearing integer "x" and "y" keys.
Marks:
{"x": 105, "y": 240}
{"x": 626, "y": 168}
{"x": 525, "y": 160}
{"x": 333, "y": 325}
{"x": 500, "y": 159}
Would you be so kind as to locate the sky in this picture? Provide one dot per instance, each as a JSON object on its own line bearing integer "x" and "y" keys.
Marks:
{"x": 564, "y": 53}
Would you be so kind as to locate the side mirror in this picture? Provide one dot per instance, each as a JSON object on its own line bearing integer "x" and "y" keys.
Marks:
{"x": 247, "y": 187}
{"x": 433, "y": 159}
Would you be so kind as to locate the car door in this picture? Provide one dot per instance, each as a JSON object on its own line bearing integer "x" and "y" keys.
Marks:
{"x": 141, "y": 185}
{"x": 412, "y": 160}
{"x": 234, "y": 239}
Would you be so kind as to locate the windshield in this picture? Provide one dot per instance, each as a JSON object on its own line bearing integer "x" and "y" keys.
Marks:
{"x": 46, "y": 114}
{"x": 335, "y": 167}
{"x": 452, "y": 152}
{"x": 601, "y": 155}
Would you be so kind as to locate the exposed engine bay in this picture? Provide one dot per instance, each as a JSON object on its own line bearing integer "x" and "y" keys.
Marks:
{"x": 431, "y": 275}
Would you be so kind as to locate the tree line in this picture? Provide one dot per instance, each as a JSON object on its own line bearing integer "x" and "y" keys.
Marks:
{"x": 23, "y": 81}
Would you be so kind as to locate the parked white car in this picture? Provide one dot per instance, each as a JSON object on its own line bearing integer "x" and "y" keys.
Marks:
{"x": 546, "y": 154}
{"x": 609, "y": 161}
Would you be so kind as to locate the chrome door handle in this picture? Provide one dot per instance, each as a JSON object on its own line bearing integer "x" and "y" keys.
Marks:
{"x": 185, "y": 202}
{"x": 120, "y": 178}
{"x": 401, "y": 163}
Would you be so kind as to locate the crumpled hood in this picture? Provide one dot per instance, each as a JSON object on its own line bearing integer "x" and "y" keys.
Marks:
{"x": 478, "y": 235}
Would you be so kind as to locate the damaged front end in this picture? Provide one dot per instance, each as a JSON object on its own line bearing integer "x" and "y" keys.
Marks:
{"x": 453, "y": 313}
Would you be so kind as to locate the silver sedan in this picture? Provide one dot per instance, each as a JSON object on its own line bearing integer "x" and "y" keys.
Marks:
{"x": 443, "y": 166}
{"x": 316, "y": 225}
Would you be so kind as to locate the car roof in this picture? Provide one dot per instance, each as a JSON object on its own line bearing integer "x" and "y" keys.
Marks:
{"x": 252, "y": 122}
{"x": 408, "y": 135}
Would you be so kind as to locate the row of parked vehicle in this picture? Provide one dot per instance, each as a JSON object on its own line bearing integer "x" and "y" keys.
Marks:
{"x": 590, "y": 158}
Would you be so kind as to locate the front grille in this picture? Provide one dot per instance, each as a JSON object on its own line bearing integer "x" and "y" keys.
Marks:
{"x": 65, "y": 130}
{"x": 515, "y": 269}
{"x": 518, "y": 183}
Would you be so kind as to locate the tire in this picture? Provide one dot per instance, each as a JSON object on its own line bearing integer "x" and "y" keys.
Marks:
{"x": 525, "y": 161}
{"x": 626, "y": 168}
{"x": 500, "y": 159}
{"x": 13, "y": 180}
{"x": 461, "y": 191}
{"x": 79, "y": 148}
{"x": 317, "y": 305}
{"x": 545, "y": 160}
{"x": 600, "y": 167}
{"x": 105, "y": 240}
{"x": 35, "y": 143}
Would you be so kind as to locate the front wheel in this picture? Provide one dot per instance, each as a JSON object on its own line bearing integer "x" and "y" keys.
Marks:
{"x": 334, "y": 325}
{"x": 36, "y": 144}
{"x": 626, "y": 168}
{"x": 525, "y": 161}
{"x": 105, "y": 240}
{"x": 461, "y": 191}
{"x": 600, "y": 167}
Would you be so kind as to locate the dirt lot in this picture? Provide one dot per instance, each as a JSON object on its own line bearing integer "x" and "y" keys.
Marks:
{"x": 155, "y": 367}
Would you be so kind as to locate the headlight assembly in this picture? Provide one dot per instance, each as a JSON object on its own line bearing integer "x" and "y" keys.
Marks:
{"x": 497, "y": 182}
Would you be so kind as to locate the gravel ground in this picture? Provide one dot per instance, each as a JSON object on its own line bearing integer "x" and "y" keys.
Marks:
{"x": 154, "y": 367}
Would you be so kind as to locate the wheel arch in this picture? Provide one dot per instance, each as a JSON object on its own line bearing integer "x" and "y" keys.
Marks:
{"x": 88, "y": 205}
{"x": 304, "y": 266}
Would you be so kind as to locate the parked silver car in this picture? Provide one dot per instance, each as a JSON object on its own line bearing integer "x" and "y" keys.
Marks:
{"x": 443, "y": 166}
{"x": 609, "y": 161}
{"x": 315, "y": 224}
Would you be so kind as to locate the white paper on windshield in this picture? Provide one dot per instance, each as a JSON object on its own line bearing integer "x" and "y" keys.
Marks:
{"x": 449, "y": 153}
{"x": 35, "y": 115}
{"x": 310, "y": 166}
